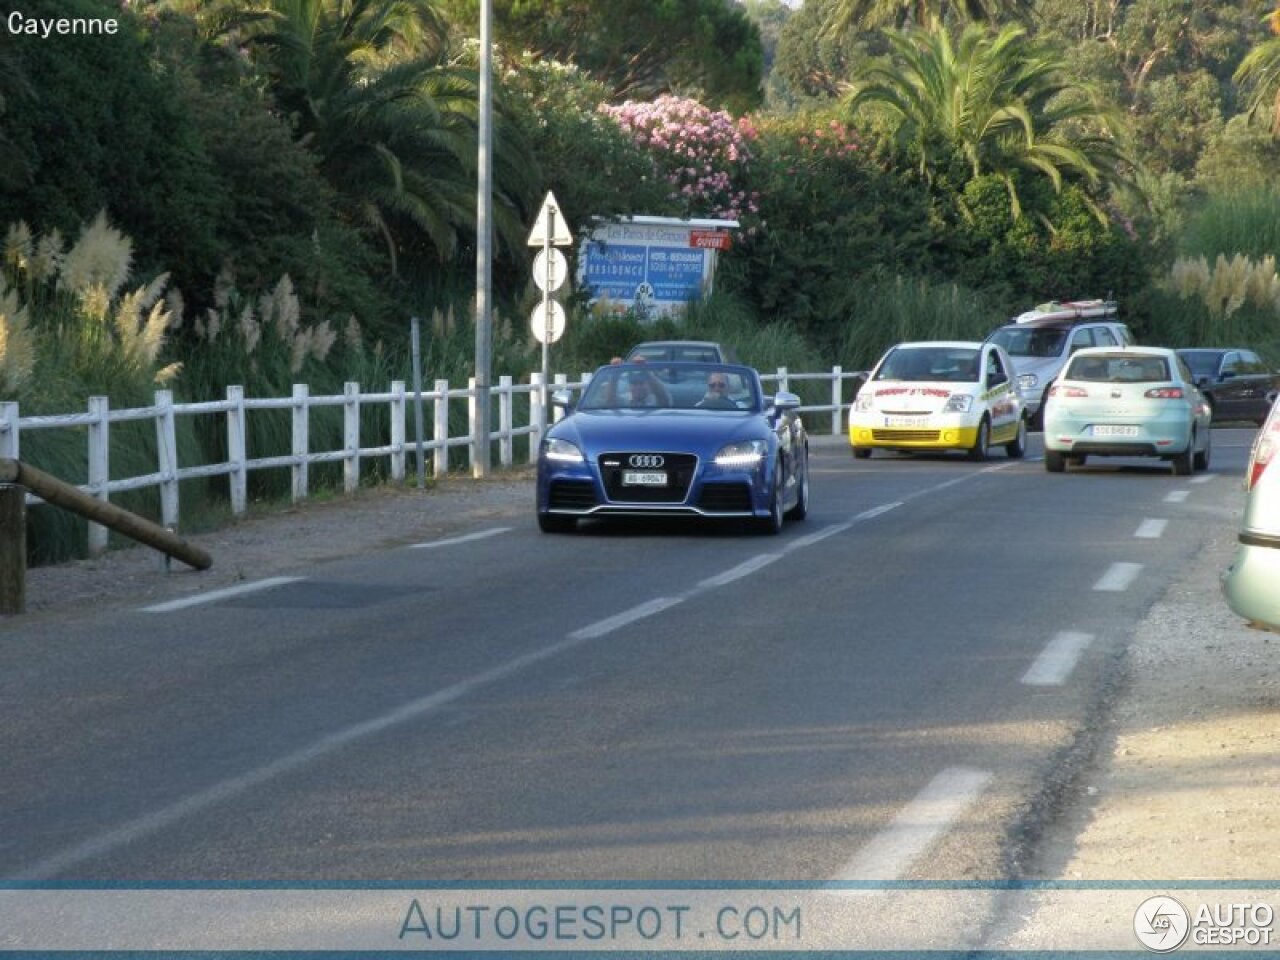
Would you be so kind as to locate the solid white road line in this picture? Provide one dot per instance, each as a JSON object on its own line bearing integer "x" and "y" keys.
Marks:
{"x": 744, "y": 569}
{"x": 1057, "y": 660}
{"x": 627, "y": 617}
{"x": 1176, "y": 496}
{"x": 183, "y": 602}
{"x": 479, "y": 535}
{"x": 917, "y": 825}
{"x": 1151, "y": 529}
{"x": 878, "y": 511}
{"x": 1118, "y": 577}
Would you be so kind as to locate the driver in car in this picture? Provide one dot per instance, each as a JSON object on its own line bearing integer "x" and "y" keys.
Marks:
{"x": 717, "y": 395}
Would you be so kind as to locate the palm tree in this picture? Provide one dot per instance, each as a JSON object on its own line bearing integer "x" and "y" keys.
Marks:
{"x": 373, "y": 87}
{"x": 991, "y": 104}
{"x": 1260, "y": 71}
{"x": 869, "y": 14}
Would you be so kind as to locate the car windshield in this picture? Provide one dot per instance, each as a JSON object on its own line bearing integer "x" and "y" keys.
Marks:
{"x": 1119, "y": 369}
{"x": 673, "y": 386}
{"x": 1203, "y": 363}
{"x": 1030, "y": 341}
{"x": 952, "y": 364}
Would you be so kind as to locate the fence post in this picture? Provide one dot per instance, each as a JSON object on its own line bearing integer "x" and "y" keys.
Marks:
{"x": 473, "y": 428}
{"x": 238, "y": 477}
{"x": 441, "y": 431}
{"x": 13, "y": 547}
{"x": 301, "y": 440}
{"x": 99, "y": 466}
{"x": 506, "y": 448}
{"x": 782, "y": 379}
{"x": 557, "y": 413}
{"x": 167, "y": 450}
{"x": 397, "y": 430}
{"x": 351, "y": 437}
{"x": 9, "y": 433}
{"x": 837, "y": 398}
{"x": 537, "y": 414}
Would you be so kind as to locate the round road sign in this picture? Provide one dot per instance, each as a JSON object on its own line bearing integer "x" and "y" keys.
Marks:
{"x": 550, "y": 272}
{"x": 547, "y": 321}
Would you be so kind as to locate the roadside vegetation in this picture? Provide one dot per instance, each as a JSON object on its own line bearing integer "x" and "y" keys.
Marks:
{"x": 263, "y": 192}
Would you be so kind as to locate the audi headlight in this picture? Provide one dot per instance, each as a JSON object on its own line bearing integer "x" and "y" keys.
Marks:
{"x": 561, "y": 451}
{"x": 747, "y": 453}
{"x": 1028, "y": 380}
{"x": 959, "y": 403}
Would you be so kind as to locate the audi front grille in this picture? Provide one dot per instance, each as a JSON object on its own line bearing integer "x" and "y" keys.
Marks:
{"x": 678, "y": 467}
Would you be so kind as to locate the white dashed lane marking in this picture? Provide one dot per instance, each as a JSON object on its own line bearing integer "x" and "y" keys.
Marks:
{"x": 1057, "y": 660}
{"x": 1151, "y": 529}
{"x": 909, "y": 835}
{"x": 1119, "y": 577}
{"x": 183, "y": 602}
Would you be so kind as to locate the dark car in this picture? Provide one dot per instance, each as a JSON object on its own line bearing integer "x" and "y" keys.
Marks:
{"x": 1237, "y": 383}
{"x": 695, "y": 351}
{"x": 671, "y": 440}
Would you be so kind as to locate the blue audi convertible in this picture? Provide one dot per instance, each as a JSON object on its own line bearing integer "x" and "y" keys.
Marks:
{"x": 675, "y": 439}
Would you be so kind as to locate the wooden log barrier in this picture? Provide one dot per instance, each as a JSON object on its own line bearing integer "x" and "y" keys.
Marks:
{"x": 70, "y": 497}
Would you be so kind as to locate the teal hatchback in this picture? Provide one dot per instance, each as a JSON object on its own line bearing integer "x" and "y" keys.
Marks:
{"x": 1252, "y": 583}
{"x": 1126, "y": 402}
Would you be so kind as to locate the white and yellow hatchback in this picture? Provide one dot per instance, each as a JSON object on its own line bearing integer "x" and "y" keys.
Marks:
{"x": 940, "y": 395}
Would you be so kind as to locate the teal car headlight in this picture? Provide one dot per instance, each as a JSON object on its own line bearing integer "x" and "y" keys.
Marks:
{"x": 959, "y": 403}
{"x": 561, "y": 451}
{"x": 746, "y": 453}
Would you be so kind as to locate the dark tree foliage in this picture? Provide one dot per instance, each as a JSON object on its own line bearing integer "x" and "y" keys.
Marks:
{"x": 831, "y": 215}
{"x": 638, "y": 48}
{"x": 102, "y": 130}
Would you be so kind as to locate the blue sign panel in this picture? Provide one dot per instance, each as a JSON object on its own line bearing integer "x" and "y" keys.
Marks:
{"x": 675, "y": 273}
{"x": 614, "y": 270}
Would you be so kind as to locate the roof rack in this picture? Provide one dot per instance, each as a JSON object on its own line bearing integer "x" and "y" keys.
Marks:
{"x": 1070, "y": 310}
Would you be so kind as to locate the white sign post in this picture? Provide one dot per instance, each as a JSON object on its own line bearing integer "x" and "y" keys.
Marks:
{"x": 550, "y": 270}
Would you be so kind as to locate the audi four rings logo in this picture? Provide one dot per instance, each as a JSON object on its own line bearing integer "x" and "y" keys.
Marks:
{"x": 643, "y": 460}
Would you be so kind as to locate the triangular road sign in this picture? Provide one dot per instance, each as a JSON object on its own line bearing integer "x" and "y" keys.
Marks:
{"x": 550, "y": 226}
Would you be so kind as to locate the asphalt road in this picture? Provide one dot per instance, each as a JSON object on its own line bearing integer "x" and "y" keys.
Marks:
{"x": 888, "y": 690}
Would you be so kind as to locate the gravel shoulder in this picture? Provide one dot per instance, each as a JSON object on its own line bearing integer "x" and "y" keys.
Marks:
{"x": 270, "y": 541}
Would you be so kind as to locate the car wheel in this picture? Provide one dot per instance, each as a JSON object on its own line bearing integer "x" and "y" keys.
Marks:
{"x": 772, "y": 524}
{"x": 556, "y": 523}
{"x": 801, "y": 508}
{"x": 1201, "y": 460}
{"x": 1017, "y": 448}
{"x": 978, "y": 451}
{"x": 1184, "y": 462}
{"x": 862, "y": 453}
{"x": 1054, "y": 461}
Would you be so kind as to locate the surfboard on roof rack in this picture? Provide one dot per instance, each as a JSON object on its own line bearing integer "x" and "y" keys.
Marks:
{"x": 1069, "y": 310}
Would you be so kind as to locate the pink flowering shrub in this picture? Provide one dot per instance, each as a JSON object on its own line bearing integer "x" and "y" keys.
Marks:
{"x": 703, "y": 154}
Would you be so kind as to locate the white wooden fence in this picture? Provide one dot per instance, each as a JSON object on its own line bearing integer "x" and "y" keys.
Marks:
{"x": 397, "y": 446}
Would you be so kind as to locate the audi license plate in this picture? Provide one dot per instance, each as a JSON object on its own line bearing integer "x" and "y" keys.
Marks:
{"x": 644, "y": 478}
{"x": 1108, "y": 430}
